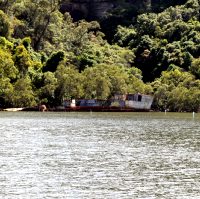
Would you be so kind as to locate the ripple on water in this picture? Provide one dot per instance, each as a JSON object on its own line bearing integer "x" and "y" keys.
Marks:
{"x": 99, "y": 155}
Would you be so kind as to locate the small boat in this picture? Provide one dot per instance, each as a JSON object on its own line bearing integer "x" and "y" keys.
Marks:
{"x": 13, "y": 109}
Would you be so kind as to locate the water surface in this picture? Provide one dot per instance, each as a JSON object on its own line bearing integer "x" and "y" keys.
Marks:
{"x": 99, "y": 155}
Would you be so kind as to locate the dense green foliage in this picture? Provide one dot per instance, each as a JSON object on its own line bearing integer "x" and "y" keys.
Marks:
{"x": 45, "y": 57}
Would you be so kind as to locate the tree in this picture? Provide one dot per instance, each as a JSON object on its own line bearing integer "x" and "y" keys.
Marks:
{"x": 68, "y": 83}
{"x": 100, "y": 52}
{"x": 38, "y": 18}
{"x": 125, "y": 36}
{"x": 6, "y": 89}
{"x": 195, "y": 67}
{"x": 22, "y": 60}
{"x": 96, "y": 83}
{"x": 53, "y": 61}
{"x": 177, "y": 90}
{"x": 4, "y": 25}
{"x": 7, "y": 67}
{"x": 47, "y": 91}
{"x": 6, "y": 5}
{"x": 135, "y": 83}
{"x": 22, "y": 95}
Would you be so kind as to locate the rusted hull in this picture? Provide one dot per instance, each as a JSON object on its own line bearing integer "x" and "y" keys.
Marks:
{"x": 88, "y": 109}
{"x": 105, "y": 109}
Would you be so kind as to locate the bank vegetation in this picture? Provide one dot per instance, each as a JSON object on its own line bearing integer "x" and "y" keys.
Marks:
{"x": 46, "y": 57}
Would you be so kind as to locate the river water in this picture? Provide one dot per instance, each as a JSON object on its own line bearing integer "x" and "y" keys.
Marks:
{"x": 99, "y": 155}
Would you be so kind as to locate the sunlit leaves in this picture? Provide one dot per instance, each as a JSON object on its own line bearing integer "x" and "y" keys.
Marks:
{"x": 7, "y": 67}
{"x": 195, "y": 67}
{"x": 177, "y": 90}
{"x": 23, "y": 95}
{"x": 69, "y": 82}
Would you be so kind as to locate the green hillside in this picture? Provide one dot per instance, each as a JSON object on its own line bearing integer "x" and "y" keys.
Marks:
{"x": 46, "y": 56}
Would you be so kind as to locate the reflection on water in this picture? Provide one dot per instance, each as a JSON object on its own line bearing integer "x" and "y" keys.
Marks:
{"x": 99, "y": 155}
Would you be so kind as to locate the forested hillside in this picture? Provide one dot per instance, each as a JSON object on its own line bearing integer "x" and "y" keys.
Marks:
{"x": 46, "y": 56}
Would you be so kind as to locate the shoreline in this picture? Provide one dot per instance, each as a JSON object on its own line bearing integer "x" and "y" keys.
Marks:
{"x": 87, "y": 109}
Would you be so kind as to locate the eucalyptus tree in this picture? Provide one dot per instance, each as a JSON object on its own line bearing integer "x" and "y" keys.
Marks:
{"x": 37, "y": 17}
